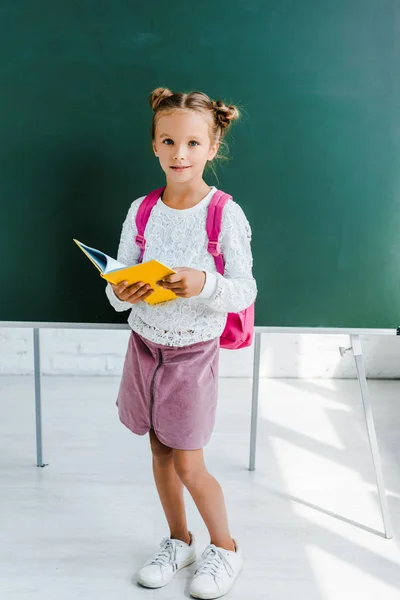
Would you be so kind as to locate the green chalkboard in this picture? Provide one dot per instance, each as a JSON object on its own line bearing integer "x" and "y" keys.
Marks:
{"x": 315, "y": 160}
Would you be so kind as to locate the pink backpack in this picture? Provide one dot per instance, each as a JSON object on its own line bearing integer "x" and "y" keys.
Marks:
{"x": 239, "y": 329}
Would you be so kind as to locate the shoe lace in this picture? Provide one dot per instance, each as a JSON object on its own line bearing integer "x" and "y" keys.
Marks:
{"x": 166, "y": 555}
{"x": 214, "y": 562}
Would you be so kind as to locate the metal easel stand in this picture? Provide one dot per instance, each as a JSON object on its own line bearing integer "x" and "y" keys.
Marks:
{"x": 38, "y": 398}
{"x": 356, "y": 348}
{"x": 362, "y": 380}
{"x": 254, "y": 407}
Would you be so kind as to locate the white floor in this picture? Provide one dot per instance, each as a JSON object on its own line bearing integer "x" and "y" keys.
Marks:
{"x": 308, "y": 518}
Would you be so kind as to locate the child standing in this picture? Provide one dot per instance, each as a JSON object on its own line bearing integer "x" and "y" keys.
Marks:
{"x": 169, "y": 382}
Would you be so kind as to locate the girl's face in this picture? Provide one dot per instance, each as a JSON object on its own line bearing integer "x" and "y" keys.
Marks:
{"x": 183, "y": 145}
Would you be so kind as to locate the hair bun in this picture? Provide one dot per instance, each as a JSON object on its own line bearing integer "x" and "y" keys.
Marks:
{"x": 158, "y": 95}
{"x": 225, "y": 113}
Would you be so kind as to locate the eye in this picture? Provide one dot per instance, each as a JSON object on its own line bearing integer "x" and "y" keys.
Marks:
{"x": 193, "y": 143}
{"x": 168, "y": 142}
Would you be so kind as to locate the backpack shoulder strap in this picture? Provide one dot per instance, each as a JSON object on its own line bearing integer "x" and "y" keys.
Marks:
{"x": 142, "y": 217}
{"x": 214, "y": 225}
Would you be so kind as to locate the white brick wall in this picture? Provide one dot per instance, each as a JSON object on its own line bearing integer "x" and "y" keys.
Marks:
{"x": 101, "y": 352}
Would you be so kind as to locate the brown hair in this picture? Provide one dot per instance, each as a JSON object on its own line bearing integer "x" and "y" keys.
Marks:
{"x": 221, "y": 115}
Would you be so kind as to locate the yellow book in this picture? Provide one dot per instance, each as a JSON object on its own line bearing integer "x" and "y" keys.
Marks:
{"x": 113, "y": 271}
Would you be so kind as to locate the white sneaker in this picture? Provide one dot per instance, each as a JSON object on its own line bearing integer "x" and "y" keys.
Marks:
{"x": 217, "y": 573}
{"x": 172, "y": 556}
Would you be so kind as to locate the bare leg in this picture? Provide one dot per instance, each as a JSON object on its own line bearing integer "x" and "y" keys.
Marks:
{"x": 206, "y": 493}
{"x": 170, "y": 489}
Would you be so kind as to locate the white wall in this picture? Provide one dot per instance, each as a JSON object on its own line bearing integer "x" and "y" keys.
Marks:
{"x": 94, "y": 352}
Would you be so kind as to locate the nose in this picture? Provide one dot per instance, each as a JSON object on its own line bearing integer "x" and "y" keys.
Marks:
{"x": 179, "y": 152}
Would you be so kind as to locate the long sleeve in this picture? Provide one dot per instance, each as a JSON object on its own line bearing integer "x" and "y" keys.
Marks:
{"x": 128, "y": 254}
{"x": 236, "y": 289}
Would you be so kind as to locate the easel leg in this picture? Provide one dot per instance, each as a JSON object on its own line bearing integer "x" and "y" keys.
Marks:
{"x": 254, "y": 407}
{"x": 358, "y": 357}
{"x": 38, "y": 400}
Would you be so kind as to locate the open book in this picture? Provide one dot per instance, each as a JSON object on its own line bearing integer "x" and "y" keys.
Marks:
{"x": 113, "y": 271}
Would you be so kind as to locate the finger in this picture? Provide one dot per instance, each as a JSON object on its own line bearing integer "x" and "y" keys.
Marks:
{"x": 168, "y": 284}
{"x": 136, "y": 290}
{"x": 124, "y": 288}
{"x": 126, "y": 295}
{"x": 171, "y": 278}
{"x": 147, "y": 291}
{"x": 136, "y": 299}
{"x": 120, "y": 287}
{"x": 137, "y": 286}
{"x": 174, "y": 286}
{"x": 133, "y": 288}
{"x": 147, "y": 294}
{"x": 179, "y": 291}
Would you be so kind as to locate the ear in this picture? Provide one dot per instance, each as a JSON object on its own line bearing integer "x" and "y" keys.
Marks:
{"x": 155, "y": 149}
{"x": 213, "y": 151}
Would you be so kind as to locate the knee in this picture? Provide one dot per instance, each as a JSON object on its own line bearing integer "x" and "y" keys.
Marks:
{"x": 187, "y": 469}
{"x": 159, "y": 451}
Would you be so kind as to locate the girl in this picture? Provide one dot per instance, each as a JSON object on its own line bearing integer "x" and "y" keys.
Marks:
{"x": 169, "y": 381}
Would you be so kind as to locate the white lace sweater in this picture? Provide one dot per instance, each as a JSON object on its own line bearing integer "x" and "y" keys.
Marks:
{"x": 178, "y": 238}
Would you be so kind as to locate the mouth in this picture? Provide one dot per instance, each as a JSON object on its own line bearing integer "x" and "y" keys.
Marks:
{"x": 179, "y": 169}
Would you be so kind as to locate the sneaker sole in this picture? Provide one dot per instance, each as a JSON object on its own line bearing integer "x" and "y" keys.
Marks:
{"x": 160, "y": 585}
{"x": 213, "y": 596}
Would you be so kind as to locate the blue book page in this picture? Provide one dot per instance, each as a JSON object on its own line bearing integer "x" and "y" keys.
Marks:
{"x": 105, "y": 263}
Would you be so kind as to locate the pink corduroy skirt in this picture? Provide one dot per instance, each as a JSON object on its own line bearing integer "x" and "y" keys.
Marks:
{"x": 171, "y": 390}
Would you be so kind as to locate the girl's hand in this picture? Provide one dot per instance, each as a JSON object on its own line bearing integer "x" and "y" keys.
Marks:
{"x": 186, "y": 283}
{"x": 132, "y": 293}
